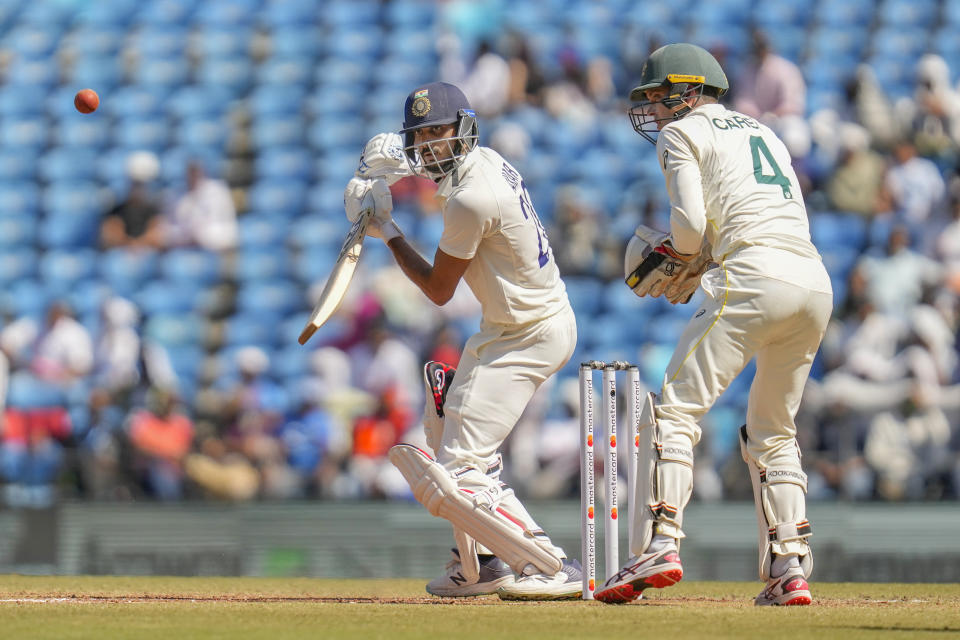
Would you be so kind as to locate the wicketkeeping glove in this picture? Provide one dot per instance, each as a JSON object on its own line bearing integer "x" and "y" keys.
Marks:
{"x": 653, "y": 267}
{"x": 383, "y": 157}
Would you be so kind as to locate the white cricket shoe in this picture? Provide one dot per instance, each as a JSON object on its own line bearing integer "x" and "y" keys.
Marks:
{"x": 494, "y": 573}
{"x": 651, "y": 570}
{"x": 789, "y": 589}
{"x": 566, "y": 584}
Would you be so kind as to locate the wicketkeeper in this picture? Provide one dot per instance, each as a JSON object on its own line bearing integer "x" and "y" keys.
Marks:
{"x": 735, "y": 201}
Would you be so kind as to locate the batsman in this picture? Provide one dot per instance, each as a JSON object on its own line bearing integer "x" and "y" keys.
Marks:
{"x": 739, "y": 229}
{"x": 493, "y": 240}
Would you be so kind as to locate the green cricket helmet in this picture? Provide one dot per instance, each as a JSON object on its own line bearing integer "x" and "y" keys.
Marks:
{"x": 685, "y": 70}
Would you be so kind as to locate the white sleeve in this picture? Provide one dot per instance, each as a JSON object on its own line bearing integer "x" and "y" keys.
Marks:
{"x": 467, "y": 218}
{"x": 679, "y": 160}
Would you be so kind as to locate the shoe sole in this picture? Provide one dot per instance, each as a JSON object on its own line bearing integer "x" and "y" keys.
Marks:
{"x": 541, "y": 597}
{"x": 632, "y": 590}
{"x": 490, "y": 590}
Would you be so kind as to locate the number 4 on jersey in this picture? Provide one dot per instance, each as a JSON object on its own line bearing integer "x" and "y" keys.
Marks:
{"x": 757, "y": 147}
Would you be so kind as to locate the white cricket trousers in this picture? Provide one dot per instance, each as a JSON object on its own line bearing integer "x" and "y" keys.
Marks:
{"x": 498, "y": 373}
{"x": 747, "y": 314}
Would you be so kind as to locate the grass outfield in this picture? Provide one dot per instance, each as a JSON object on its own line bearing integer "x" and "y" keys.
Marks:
{"x": 280, "y": 608}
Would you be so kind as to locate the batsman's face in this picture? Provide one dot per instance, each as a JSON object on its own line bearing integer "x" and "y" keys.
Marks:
{"x": 432, "y": 143}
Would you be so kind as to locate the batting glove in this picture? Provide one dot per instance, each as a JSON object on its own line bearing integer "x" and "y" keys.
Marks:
{"x": 383, "y": 157}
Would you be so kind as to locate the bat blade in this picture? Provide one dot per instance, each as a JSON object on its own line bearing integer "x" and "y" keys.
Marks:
{"x": 339, "y": 280}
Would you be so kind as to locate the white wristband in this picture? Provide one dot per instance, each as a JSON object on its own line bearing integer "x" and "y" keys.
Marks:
{"x": 390, "y": 230}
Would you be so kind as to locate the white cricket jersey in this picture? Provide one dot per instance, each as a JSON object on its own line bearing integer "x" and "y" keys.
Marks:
{"x": 488, "y": 218}
{"x": 730, "y": 180}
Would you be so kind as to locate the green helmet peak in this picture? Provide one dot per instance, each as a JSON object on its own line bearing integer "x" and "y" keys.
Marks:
{"x": 680, "y": 63}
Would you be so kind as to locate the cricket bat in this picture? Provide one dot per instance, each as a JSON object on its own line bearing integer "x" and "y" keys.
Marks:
{"x": 336, "y": 287}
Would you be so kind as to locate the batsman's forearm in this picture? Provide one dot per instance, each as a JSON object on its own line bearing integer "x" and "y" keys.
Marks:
{"x": 415, "y": 267}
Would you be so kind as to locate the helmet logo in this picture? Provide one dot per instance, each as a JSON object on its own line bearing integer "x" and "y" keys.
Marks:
{"x": 679, "y": 77}
{"x": 420, "y": 107}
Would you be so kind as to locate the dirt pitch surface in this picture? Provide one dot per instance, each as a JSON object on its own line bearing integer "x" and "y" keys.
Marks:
{"x": 280, "y": 608}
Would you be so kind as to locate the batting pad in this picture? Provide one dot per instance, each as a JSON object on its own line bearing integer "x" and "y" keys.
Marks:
{"x": 505, "y": 536}
{"x": 664, "y": 483}
{"x": 780, "y": 498}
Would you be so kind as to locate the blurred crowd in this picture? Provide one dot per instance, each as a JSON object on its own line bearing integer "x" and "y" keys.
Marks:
{"x": 101, "y": 407}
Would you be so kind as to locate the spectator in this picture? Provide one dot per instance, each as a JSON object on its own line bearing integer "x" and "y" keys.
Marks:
{"x": 769, "y": 86}
{"x": 63, "y": 352}
{"x": 896, "y": 281}
{"x": 487, "y": 84}
{"x": 914, "y": 187}
{"x": 31, "y": 454}
{"x": 907, "y": 447}
{"x": 526, "y": 78}
{"x": 205, "y": 215}
{"x": 135, "y": 220}
{"x": 306, "y": 436}
{"x": 117, "y": 351}
{"x": 161, "y": 437}
{"x": 933, "y": 116}
{"x": 856, "y": 182}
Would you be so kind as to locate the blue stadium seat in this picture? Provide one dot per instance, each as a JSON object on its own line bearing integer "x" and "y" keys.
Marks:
{"x": 162, "y": 296}
{"x": 169, "y": 13}
{"x": 160, "y": 43}
{"x": 26, "y": 297}
{"x": 276, "y": 131}
{"x": 904, "y": 13}
{"x": 341, "y": 135}
{"x": 162, "y": 73}
{"x": 40, "y": 72}
{"x": 262, "y": 263}
{"x": 174, "y": 161}
{"x": 270, "y": 101}
{"x": 301, "y": 39}
{"x": 233, "y": 74}
{"x": 174, "y": 329}
{"x": 258, "y": 231}
{"x": 226, "y": 13}
{"x": 87, "y": 298}
{"x": 224, "y": 43}
{"x": 53, "y": 15}
{"x": 16, "y": 165}
{"x": 25, "y": 133}
{"x": 103, "y": 73}
{"x": 193, "y": 101}
{"x": 79, "y": 198}
{"x": 194, "y": 266}
{"x": 139, "y": 133}
{"x": 279, "y": 296}
{"x": 68, "y": 163}
{"x": 67, "y": 231}
{"x": 250, "y": 329}
{"x": 285, "y": 71}
{"x": 584, "y": 294}
{"x": 79, "y": 131}
{"x": 318, "y": 230}
{"x": 117, "y": 13}
{"x": 61, "y": 270}
{"x": 21, "y": 100}
{"x": 28, "y": 392}
{"x": 126, "y": 270}
{"x": 357, "y": 14}
{"x": 289, "y": 13}
{"x": 32, "y": 41}
{"x": 332, "y": 102}
{"x": 19, "y": 197}
{"x": 210, "y": 132}
{"x": 136, "y": 101}
{"x": 364, "y": 45}
{"x": 284, "y": 163}
{"x": 187, "y": 361}
{"x": 16, "y": 262}
{"x": 291, "y": 363}
{"x": 278, "y": 197}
